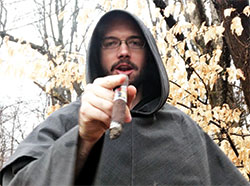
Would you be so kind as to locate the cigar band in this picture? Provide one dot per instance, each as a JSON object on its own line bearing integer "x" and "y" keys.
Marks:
{"x": 121, "y": 93}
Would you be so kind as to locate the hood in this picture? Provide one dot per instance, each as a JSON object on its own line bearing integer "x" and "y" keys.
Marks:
{"x": 155, "y": 87}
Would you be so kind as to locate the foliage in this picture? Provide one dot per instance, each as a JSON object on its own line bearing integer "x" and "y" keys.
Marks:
{"x": 193, "y": 64}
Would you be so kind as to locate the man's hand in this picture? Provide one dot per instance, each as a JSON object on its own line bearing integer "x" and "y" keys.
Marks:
{"x": 96, "y": 107}
{"x": 95, "y": 113}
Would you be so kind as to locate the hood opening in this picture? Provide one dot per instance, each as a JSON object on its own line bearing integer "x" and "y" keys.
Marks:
{"x": 155, "y": 84}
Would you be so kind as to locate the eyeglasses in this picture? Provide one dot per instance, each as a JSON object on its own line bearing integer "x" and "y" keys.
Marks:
{"x": 132, "y": 42}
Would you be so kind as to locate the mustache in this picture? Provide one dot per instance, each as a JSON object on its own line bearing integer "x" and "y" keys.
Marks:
{"x": 124, "y": 61}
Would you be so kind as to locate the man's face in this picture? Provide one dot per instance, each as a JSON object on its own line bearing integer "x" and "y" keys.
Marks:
{"x": 128, "y": 58}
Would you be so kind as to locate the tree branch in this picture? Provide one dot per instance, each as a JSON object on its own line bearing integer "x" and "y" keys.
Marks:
{"x": 198, "y": 98}
{"x": 224, "y": 131}
{"x": 40, "y": 49}
{"x": 54, "y": 94}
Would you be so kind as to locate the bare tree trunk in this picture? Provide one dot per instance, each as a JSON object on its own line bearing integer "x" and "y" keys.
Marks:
{"x": 198, "y": 16}
{"x": 15, "y": 114}
{"x": 3, "y": 142}
{"x": 3, "y": 16}
{"x": 239, "y": 46}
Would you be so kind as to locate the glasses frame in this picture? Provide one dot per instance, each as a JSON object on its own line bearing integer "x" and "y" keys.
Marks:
{"x": 126, "y": 42}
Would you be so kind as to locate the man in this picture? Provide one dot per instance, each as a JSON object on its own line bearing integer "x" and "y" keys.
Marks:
{"x": 159, "y": 144}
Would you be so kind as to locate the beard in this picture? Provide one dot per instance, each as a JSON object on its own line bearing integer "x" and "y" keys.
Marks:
{"x": 137, "y": 80}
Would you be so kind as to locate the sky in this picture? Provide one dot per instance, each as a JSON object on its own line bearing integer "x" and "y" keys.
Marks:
{"x": 18, "y": 25}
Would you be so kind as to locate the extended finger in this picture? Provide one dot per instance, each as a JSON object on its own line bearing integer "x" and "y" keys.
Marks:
{"x": 110, "y": 82}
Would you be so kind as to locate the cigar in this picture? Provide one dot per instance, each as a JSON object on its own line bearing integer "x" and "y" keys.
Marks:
{"x": 118, "y": 111}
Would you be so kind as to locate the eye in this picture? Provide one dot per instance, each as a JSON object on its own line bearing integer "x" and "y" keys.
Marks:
{"x": 136, "y": 43}
{"x": 110, "y": 43}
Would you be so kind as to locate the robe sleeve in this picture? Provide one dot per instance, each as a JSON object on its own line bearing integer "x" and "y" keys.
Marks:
{"x": 47, "y": 156}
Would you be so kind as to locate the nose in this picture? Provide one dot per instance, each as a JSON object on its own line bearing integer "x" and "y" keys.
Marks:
{"x": 123, "y": 51}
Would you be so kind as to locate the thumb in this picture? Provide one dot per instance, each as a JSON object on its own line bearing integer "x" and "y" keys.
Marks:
{"x": 131, "y": 92}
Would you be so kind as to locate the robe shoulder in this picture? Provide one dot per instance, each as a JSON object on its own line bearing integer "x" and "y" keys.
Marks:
{"x": 219, "y": 167}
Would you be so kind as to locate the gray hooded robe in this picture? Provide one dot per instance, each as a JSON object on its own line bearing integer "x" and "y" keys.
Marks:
{"x": 161, "y": 146}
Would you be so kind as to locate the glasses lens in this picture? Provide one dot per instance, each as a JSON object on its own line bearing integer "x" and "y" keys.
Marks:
{"x": 136, "y": 43}
{"x": 110, "y": 43}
